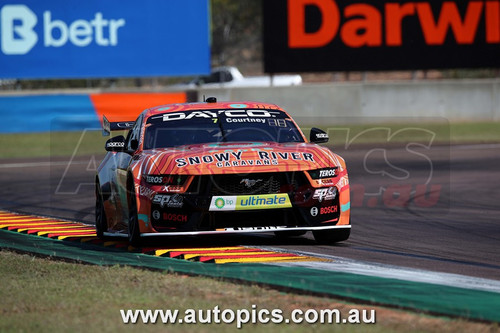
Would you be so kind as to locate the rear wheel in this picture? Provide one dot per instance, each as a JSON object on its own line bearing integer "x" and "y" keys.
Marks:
{"x": 331, "y": 236}
{"x": 134, "y": 234}
{"x": 101, "y": 222}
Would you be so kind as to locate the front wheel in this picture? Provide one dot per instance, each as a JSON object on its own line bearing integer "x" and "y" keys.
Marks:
{"x": 331, "y": 236}
{"x": 134, "y": 234}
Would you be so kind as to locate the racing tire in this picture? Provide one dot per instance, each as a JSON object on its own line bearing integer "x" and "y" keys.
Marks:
{"x": 101, "y": 222}
{"x": 134, "y": 234}
{"x": 331, "y": 236}
{"x": 291, "y": 233}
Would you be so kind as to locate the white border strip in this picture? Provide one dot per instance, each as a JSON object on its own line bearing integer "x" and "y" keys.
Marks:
{"x": 352, "y": 266}
{"x": 39, "y": 164}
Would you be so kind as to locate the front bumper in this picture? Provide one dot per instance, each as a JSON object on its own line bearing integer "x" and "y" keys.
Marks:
{"x": 223, "y": 203}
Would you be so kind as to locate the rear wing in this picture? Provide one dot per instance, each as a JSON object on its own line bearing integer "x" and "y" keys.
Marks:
{"x": 107, "y": 127}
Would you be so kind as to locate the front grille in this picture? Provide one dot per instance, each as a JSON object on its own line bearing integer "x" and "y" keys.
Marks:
{"x": 236, "y": 184}
{"x": 256, "y": 183}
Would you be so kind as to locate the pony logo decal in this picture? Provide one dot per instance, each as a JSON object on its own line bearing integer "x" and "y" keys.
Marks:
{"x": 250, "y": 182}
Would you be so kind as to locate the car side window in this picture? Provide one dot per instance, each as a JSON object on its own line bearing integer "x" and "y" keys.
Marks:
{"x": 219, "y": 76}
{"x": 225, "y": 76}
{"x": 134, "y": 135}
{"x": 212, "y": 78}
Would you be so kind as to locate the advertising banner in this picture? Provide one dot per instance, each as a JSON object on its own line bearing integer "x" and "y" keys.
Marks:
{"x": 364, "y": 35}
{"x": 94, "y": 38}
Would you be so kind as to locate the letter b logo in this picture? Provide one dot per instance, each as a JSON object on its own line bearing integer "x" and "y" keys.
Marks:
{"x": 18, "y": 36}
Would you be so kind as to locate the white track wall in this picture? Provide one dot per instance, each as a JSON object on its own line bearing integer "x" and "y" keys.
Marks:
{"x": 457, "y": 100}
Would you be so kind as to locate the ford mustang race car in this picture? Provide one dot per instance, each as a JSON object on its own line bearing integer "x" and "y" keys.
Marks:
{"x": 219, "y": 167}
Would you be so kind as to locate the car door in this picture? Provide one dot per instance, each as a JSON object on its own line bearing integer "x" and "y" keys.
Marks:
{"x": 122, "y": 164}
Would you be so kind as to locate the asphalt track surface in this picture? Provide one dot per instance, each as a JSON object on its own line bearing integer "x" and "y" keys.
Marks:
{"x": 435, "y": 208}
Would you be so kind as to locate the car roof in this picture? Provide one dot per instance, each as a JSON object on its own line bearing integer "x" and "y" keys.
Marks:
{"x": 179, "y": 107}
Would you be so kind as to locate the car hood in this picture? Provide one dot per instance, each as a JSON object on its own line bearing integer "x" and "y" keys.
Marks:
{"x": 238, "y": 157}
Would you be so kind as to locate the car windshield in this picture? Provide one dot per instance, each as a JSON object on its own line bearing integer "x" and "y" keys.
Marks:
{"x": 228, "y": 125}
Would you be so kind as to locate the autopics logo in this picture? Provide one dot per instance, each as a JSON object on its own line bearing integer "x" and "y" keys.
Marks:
{"x": 18, "y": 35}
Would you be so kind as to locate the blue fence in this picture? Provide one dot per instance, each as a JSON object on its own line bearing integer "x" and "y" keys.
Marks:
{"x": 46, "y": 113}
{"x": 95, "y": 38}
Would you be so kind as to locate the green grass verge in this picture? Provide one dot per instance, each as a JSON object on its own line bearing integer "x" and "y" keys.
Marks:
{"x": 52, "y": 144}
{"x": 92, "y": 142}
{"x": 438, "y": 132}
{"x": 52, "y": 296}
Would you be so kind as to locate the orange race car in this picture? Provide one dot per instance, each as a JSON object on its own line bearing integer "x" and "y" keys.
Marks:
{"x": 212, "y": 167}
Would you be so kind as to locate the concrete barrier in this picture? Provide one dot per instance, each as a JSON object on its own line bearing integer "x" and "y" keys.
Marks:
{"x": 341, "y": 103}
{"x": 457, "y": 100}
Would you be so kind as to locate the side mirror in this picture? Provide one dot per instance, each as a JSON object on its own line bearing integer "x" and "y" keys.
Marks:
{"x": 116, "y": 143}
{"x": 318, "y": 136}
{"x": 134, "y": 144}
